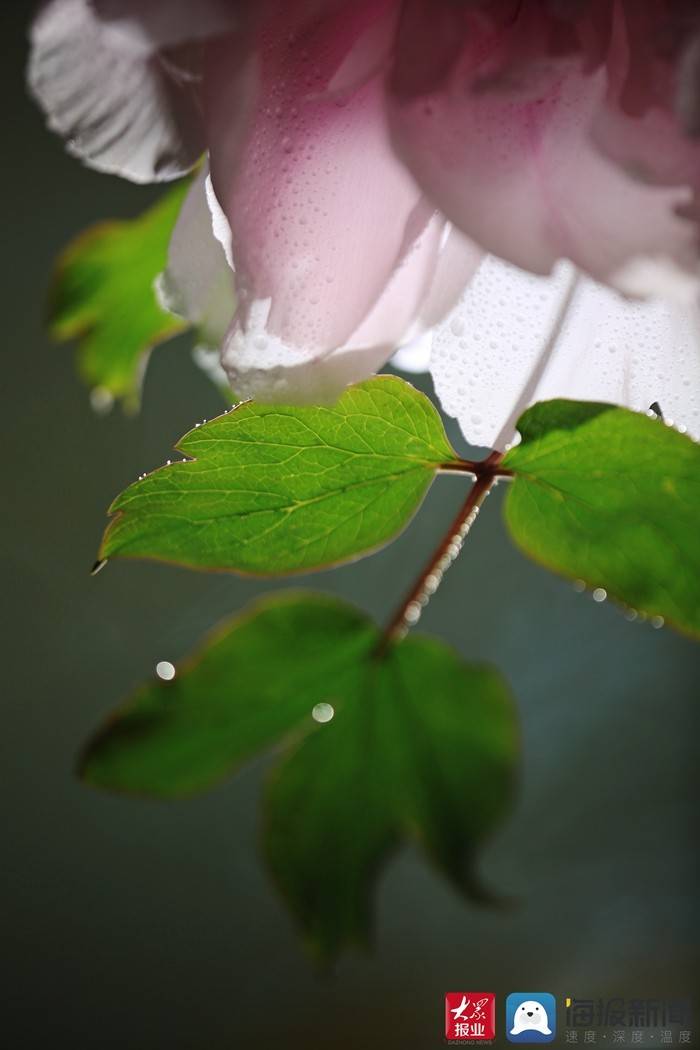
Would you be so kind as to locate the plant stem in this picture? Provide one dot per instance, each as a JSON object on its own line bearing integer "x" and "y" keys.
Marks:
{"x": 476, "y": 467}
{"x": 408, "y": 613}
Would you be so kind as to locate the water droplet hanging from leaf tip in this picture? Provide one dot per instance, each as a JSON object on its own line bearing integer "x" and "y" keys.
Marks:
{"x": 165, "y": 670}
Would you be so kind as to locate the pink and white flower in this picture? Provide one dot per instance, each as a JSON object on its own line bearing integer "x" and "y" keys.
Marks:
{"x": 514, "y": 182}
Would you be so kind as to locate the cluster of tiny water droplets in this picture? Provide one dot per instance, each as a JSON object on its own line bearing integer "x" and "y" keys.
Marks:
{"x": 680, "y": 428}
{"x": 412, "y": 612}
{"x": 295, "y": 170}
{"x": 599, "y": 595}
{"x": 483, "y": 352}
{"x": 488, "y": 351}
{"x": 169, "y": 462}
{"x": 280, "y": 183}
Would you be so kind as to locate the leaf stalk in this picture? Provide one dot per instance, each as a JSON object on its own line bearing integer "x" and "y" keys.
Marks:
{"x": 486, "y": 474}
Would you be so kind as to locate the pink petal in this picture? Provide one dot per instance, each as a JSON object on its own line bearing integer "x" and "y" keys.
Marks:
{"x": 322, "y": 214}
{"x": 513, "y": 162}
{"x": 516, "y": 338}
{"x": 457, "y": 262}
{"x": 115, "y": 79}
{"x": 263, "y": 365}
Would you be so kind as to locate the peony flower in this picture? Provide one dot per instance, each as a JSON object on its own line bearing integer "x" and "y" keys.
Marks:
{"x": 512, "y": 182}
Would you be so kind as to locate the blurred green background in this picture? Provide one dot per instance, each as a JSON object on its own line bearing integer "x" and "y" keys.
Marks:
{"x": 155, "y": 925}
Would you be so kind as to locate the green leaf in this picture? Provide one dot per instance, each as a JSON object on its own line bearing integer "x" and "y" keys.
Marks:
{"x": 102, "y": 295}
{"x": 611, "y": 497}
{"x": 425, "y": 751}
{"x": 274, "y": 489}
{"x": 421, "y": 747}
{"x": 252, "y": 681}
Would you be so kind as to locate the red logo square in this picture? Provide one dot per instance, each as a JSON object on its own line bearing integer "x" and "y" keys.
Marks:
{"x": 470, "y": 1016}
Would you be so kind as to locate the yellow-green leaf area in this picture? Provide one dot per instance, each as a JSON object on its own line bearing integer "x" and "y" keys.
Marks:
{"x": 611, "y": 497}
{"x": 102, "y": 295}
{"x": 274, "y": 489}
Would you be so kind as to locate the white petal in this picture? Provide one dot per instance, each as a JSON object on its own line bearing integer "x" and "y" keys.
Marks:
{"x": 208, "y": 361}
{"x": 220, "y": 224}
{"x": 261, "y": 365}
{"x": 107, "y": 83}
{"x": 515, "y": 338}
{"x": 198, "y": 282}
{"x": 414, "y": 357}
{"x": 457, "y": 262}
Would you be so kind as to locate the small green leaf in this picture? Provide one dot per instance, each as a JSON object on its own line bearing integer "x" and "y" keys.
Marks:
{"x": 274, "y": 489}
{"x": 102, "y": 295}
{"x": 426, "y": 750}
{"x": 611, "y": 497}
{"x": 420, "y": 746}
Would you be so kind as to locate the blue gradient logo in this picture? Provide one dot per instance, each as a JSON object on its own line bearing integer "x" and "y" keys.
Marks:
{"x": 531, "y": 1017}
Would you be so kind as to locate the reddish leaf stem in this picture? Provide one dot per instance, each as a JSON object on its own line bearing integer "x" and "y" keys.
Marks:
{"x": 408, "y": 613}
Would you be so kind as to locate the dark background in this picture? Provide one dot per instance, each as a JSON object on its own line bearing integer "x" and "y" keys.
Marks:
{"x": 135, "y": 924}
